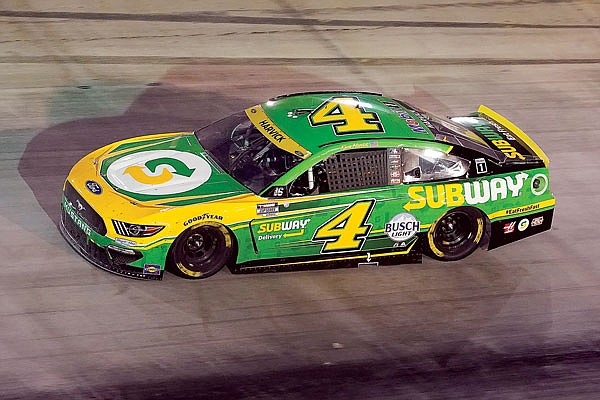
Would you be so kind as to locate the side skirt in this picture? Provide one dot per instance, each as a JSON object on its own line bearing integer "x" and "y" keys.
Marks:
{"x": 334, "y": 261}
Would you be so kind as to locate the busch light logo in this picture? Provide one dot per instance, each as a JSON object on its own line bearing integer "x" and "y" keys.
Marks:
{"x": 93, "y": 187}
{"x": 402, "y": 227}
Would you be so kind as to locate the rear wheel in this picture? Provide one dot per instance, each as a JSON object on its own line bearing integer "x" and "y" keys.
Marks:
{"x": 202, "y": 251}
{"x": 456, "y": 234}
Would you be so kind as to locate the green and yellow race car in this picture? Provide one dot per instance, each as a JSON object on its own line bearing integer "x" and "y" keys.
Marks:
{"x": 310, "y": 180}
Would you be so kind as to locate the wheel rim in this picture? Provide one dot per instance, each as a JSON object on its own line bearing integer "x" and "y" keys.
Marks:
{"x": 199, "y": 247}
{"x": 454, "y": 229}
{"x": 202, "y": 251}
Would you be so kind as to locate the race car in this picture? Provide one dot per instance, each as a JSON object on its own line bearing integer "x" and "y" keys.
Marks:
{"x": 308, "y": 180}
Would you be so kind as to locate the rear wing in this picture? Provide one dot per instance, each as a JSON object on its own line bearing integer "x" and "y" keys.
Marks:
{"x": 514, "y": 130}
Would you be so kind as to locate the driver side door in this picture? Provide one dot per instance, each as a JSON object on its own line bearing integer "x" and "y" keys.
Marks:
{"x": 339, "y": 206}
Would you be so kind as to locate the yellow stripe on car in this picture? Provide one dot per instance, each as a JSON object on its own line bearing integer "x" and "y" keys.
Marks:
{"x": 516, "y": 131}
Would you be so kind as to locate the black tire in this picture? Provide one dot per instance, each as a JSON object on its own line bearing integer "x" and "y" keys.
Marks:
{"x": 455, "y": 234}
{"x": 201, "y": 251}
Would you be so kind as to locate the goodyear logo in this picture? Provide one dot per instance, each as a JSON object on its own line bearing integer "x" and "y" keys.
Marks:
{"x": 159, "y": 172}
{"x": 203, "y": 217}
{"x": 456, "y": 194}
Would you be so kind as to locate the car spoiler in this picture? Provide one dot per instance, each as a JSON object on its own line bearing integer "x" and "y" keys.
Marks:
{"x": 515, "y": 131}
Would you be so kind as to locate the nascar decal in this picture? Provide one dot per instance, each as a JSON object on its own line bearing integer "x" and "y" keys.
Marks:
{"x": 456, "y": 194}
{"x": 159, "y": 172}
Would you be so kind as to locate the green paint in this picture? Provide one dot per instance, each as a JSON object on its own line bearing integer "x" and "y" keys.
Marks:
{"x": 179, "y": 166}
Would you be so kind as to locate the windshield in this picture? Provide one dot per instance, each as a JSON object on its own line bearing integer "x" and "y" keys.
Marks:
{"x": 244, "y": 153}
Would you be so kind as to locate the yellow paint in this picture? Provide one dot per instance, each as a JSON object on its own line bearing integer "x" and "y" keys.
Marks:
{"x": 454, "y": 195}
{"x": 523, "y": 209}
{"x": 418, "y": 201}
{"x": 346, "y": 116}
{"x": 515, "y": 131}
{"x": 347, "y": 230}
{"x": 479, "y": 230}
{"x": 300, "y": 233}
{"x": 435, "y": 201}
{"x": 137, "y": 173}
{"x": 272, "y": 132}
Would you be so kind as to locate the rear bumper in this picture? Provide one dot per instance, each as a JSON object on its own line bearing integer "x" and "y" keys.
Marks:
{"x": 512, "y": 229}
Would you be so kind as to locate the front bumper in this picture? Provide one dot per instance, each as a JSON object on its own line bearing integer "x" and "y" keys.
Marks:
{"x": 77, "y": 231}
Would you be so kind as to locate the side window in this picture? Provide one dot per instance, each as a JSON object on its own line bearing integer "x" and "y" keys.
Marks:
{"x": 313, "y": 181}
{"x": 344, "y": 171}
{"x": 423, "y": 165}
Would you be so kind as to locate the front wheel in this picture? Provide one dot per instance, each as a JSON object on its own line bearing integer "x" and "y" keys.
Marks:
{"x": 456, "y": 234}
{"x": 202, "y": 251}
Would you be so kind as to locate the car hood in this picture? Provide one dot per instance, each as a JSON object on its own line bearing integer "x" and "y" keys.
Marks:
{"x": 166, "y": 169}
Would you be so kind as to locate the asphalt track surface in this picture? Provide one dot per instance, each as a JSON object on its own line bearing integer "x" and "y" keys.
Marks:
{"x": 519, "y": 322}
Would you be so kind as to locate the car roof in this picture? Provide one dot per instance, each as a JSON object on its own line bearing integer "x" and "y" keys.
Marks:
{"x": 291, "y": 113}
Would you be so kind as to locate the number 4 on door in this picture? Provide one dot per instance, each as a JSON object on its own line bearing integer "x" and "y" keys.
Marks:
{"x": 347, "y": 230}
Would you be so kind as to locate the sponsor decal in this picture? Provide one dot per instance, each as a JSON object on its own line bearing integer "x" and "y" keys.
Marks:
{"x": 269, "y": 237}
{"x": 267, "y": 209}
{"x": 456, "y": 194}
{"x": 402, "y": 227}
{"x": 358, "y": 145}
{"x": 539, "y": 184}
{"x": 285, "y": 226}
{"x": 151, "y": 269}
{"x": 125, "y": 242}
{"x": 411, "y": 122}
{"x": 480, "y": 165}
{"x": 499, "y": 138}
{"x": 537, "y": 221}
{"x": 93, "y": 187}
{"x": 159, "y": 172}
{"x": 203, "y": 217}
{"x": 523, "y": 224}
{"x": 78, "y": 221}
{"x": 520, "y": 210}
{"x": 509, "y": 227}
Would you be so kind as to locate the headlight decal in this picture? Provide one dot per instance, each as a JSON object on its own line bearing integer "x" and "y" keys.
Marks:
{"x": 135, "y": 230}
